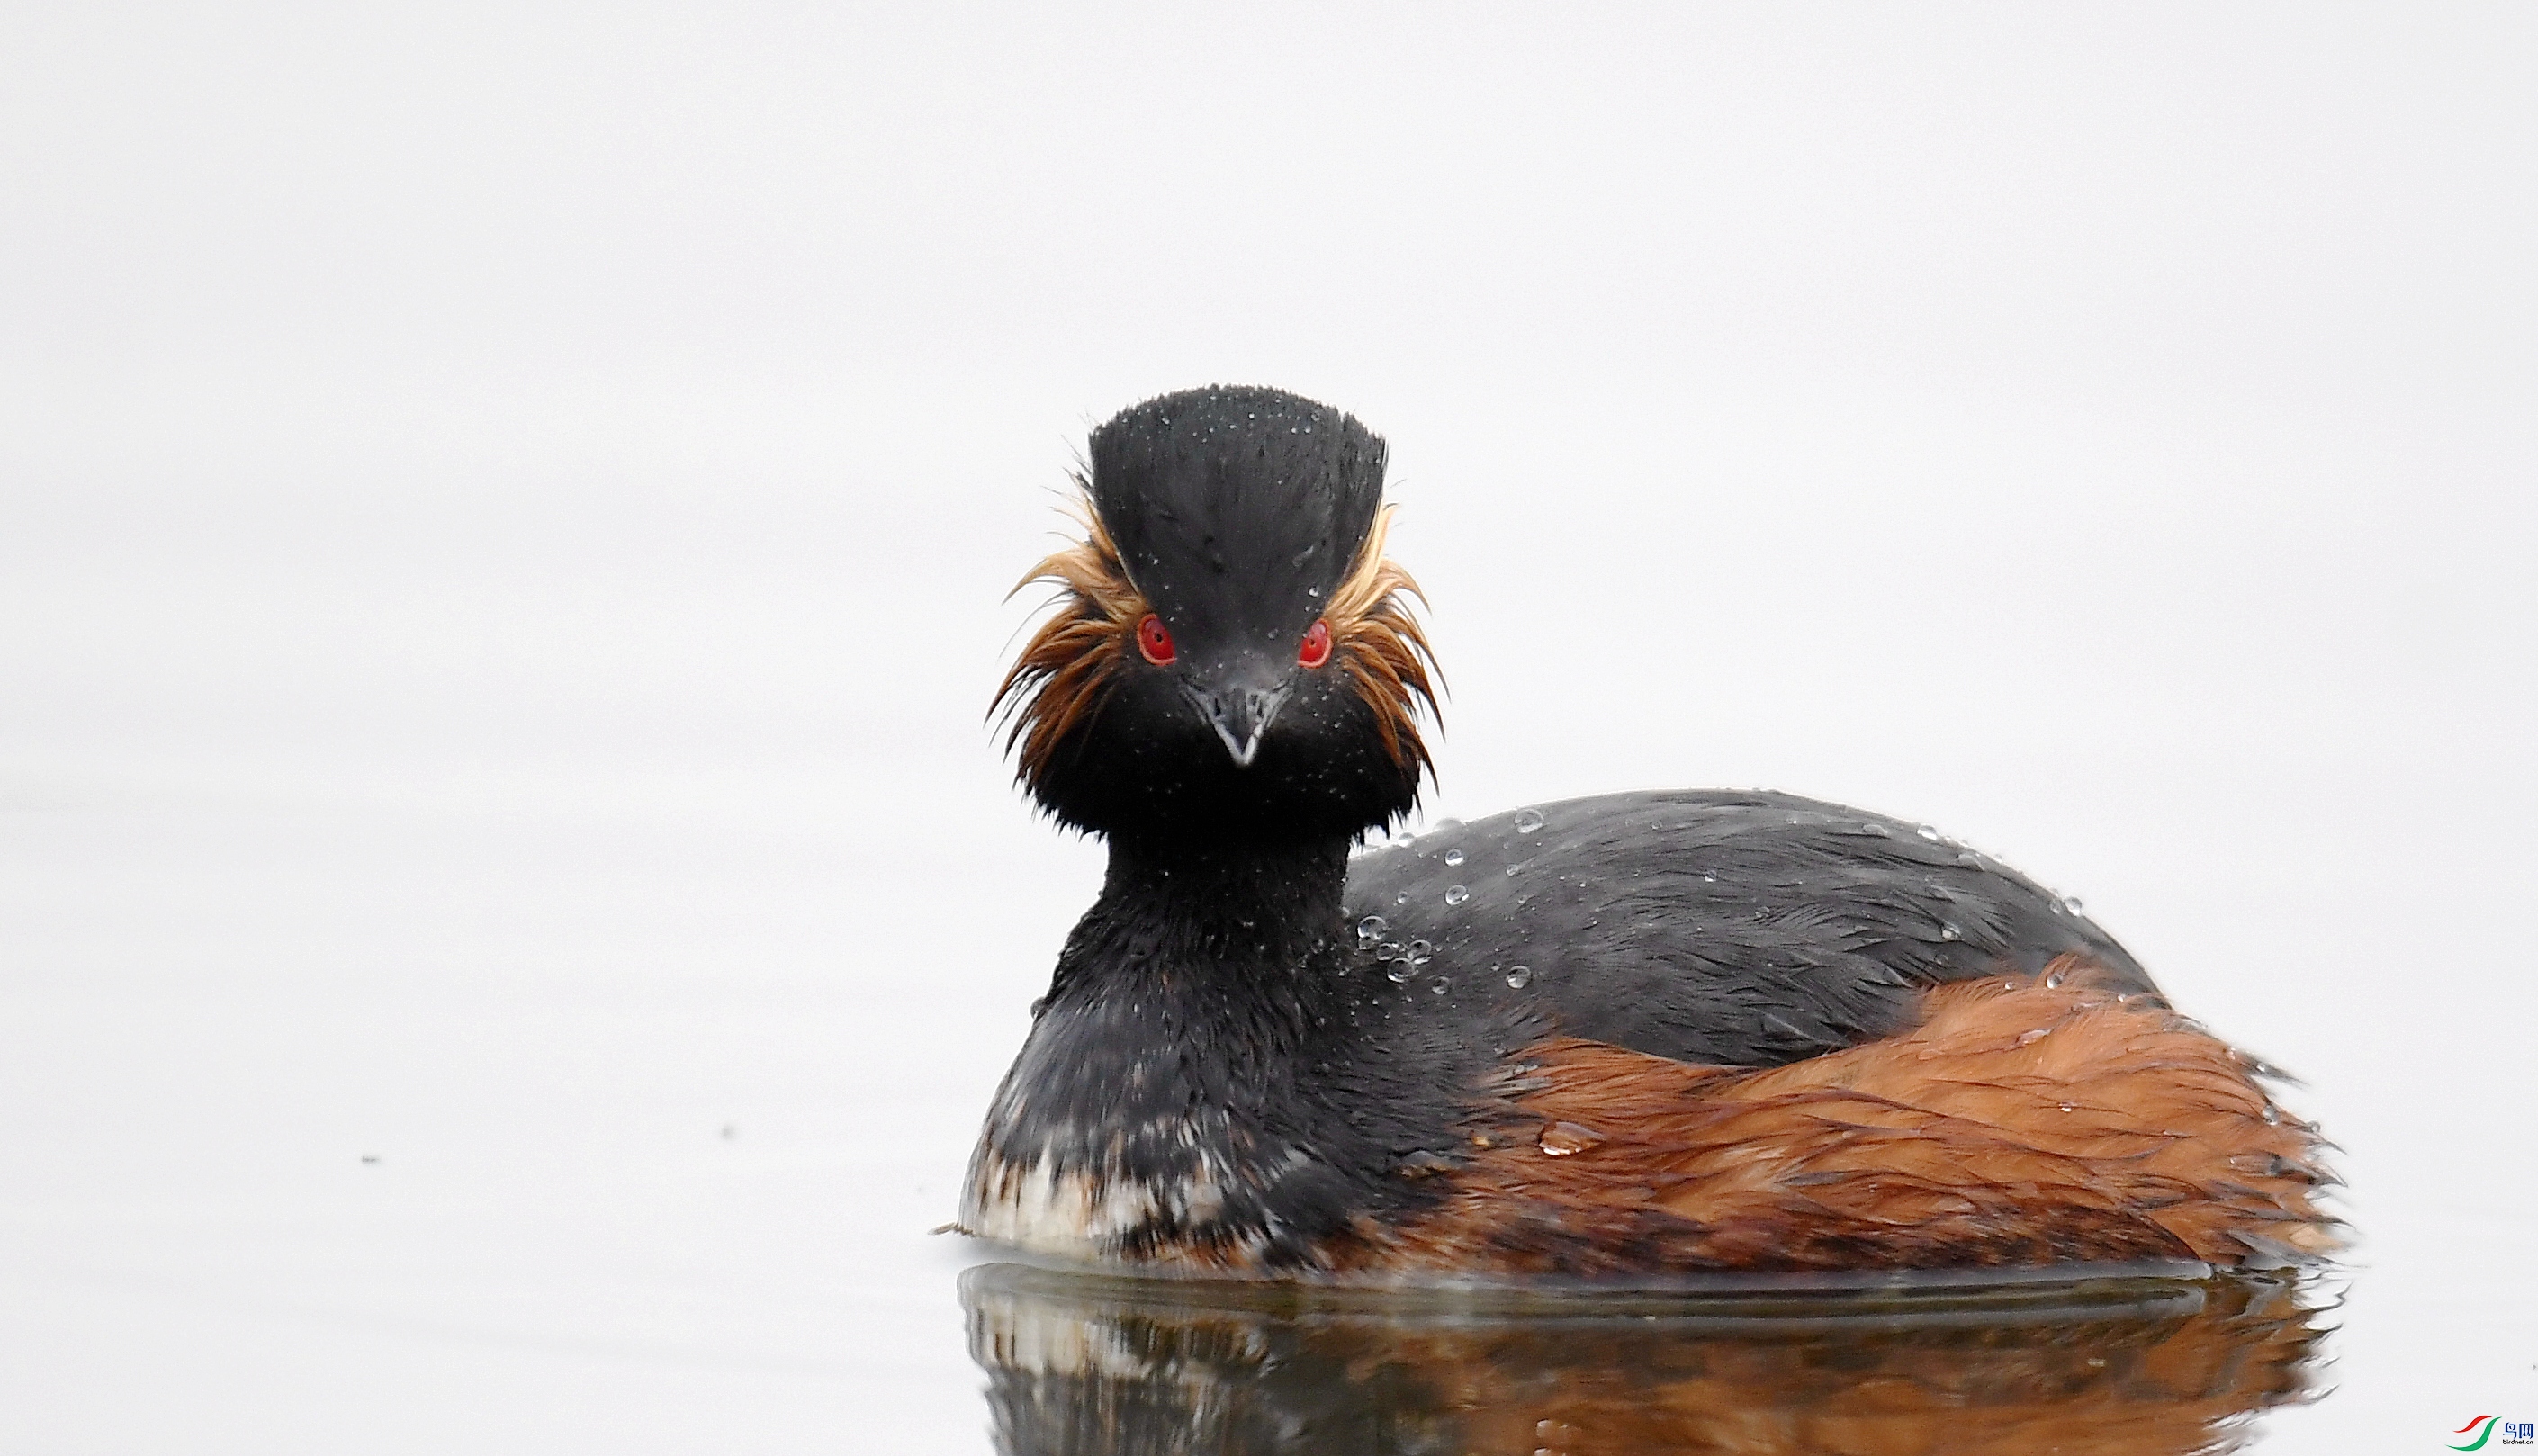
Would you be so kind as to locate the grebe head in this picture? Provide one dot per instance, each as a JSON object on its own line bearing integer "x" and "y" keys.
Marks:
{"x": 1231, "y": 657}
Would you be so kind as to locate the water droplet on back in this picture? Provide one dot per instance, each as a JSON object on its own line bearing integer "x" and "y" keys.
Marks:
{"x": 1420, "y": 951}
{"x": 1880, "y": 830}
{"x": 1951, "y": 933}
{"x": 1455, "y": 894}
{"x": 2071, "y": 902}
{"x": 1371, "y": 929}
{"x": 1929, "y": 832}
{"x": 1398, "y": 973}
{"x": 1564, "y": 1137}
{"x": 1527, "y": 821}
{"x": 1402, "y": 898}
{"x": 2053, "y": 979}
{"x": 1391, "y": 951}
{"x": 1519, "y": 977}
{"x": 1453, "y": 857}
{"x": 1439, "y": 985}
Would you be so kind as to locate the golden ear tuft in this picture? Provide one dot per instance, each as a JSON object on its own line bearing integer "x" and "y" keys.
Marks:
{"x": 1070, "y": 663}
{"x": 1383, "y": 649}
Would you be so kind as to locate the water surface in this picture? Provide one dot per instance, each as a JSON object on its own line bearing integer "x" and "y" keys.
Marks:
{"x": 1080, "y": 1363}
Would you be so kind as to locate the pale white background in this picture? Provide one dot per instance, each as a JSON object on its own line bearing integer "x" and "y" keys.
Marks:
{"x": 503, "y": 511}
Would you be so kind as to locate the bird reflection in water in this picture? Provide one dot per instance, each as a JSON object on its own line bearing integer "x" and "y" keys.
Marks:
{"x": 1089, "y": 1365}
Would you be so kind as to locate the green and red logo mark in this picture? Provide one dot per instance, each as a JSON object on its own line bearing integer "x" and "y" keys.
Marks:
{"x": 2514, "y": 1432}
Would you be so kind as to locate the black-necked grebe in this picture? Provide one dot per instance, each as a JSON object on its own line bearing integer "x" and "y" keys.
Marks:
{"x": 1630, "y": 1036}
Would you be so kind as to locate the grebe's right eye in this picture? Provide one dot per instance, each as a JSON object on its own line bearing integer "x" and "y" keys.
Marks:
{"x": 1155, "y": 641}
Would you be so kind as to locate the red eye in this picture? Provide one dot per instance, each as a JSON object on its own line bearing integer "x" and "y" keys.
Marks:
{"x": 1317, "y": 648}
{"x": 1154, "y": 640}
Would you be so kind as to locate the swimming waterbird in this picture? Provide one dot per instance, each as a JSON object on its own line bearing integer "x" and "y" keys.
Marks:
{"x": 1624, "y": 1036}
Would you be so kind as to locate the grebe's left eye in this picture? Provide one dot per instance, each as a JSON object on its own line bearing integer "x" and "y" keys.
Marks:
{"x": 1316, "y": 647}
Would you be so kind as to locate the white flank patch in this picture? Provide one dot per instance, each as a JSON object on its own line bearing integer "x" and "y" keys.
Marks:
{"x": 1085, "y": 1216}
{"x": 1070, "y": 1213}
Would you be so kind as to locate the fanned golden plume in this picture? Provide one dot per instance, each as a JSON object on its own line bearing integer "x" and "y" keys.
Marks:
{"x": 1383, "y": 648}
{"x": 1069, "y": 664}
{"x": 1072, "y": 660}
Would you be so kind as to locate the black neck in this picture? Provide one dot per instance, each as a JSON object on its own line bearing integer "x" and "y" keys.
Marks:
{"x": 1174, "y": 915}
{"x": 1208, "y": 1056}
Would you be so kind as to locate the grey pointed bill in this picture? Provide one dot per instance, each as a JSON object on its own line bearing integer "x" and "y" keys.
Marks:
{"x": 1241, "y": 714}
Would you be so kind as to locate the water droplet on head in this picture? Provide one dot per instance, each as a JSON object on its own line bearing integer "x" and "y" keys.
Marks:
{"x": 2071, "y": 902}
{"x": 2053, "y": 979}
{"x": 1880, "y": 830}
{"x": 2272, "y": 1114}
{"x": 2066, "y": 1107}
{"x": 1391, "y": 951}
{"x": 1439, "y": 985}
{"x": 1453, "y": 857}
{"x": 1402, "y": 898}
{"x": 1455, "y": 894}
{"x": 1527, "y": 821}
{"x": 1371, "y": 929}
{"x": 1420, "y": 951}
{"x": 1951, "y": 933}
{"x": 1398, "y": 973}
{"x": 2038, "y": 1035}
{"x": 1519, "y": 977}
{"x": 1929, "y": 832}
